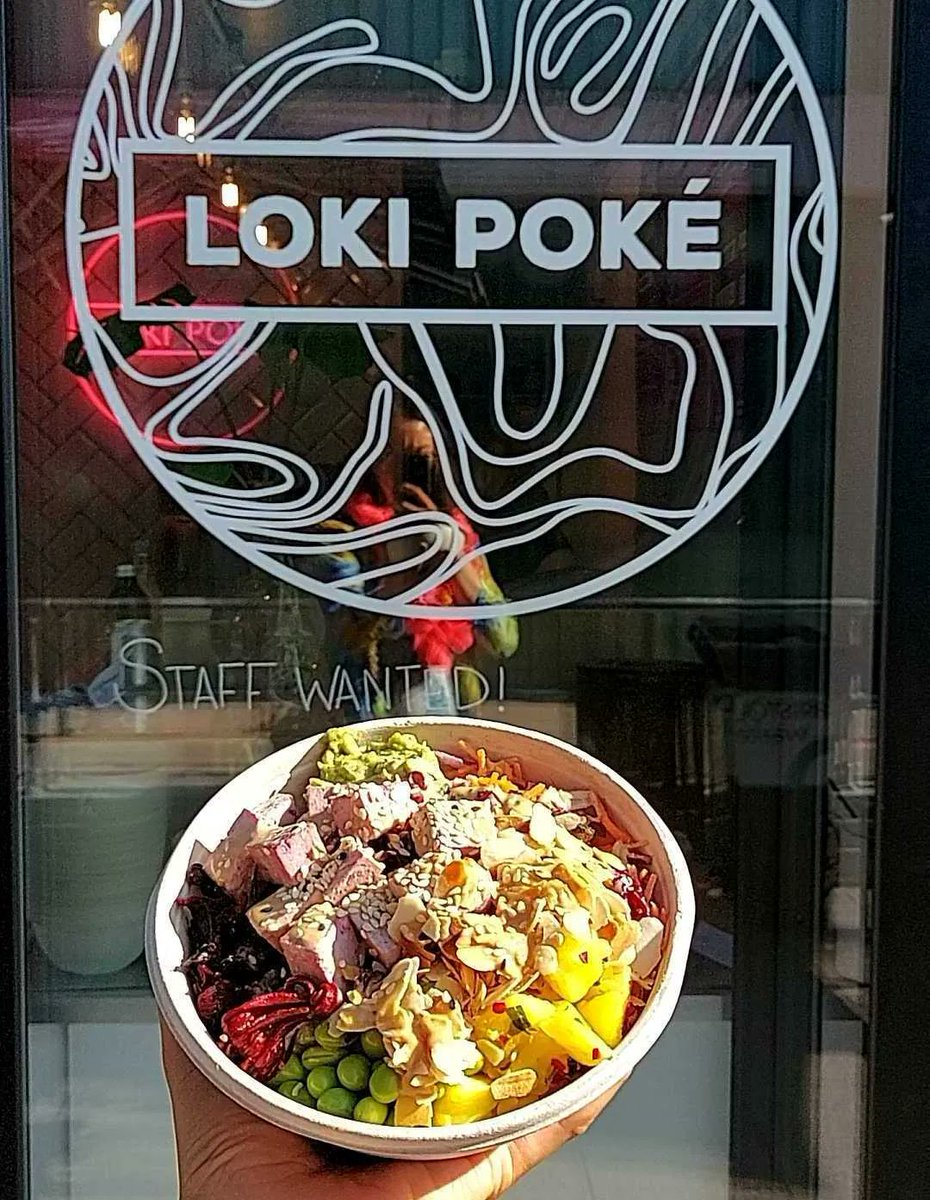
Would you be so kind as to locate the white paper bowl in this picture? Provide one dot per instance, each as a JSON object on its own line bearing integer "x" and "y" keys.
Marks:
{"x": 544, "y": 758}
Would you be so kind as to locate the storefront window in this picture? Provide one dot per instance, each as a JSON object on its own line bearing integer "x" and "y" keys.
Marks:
{"x": 493, "y": 358}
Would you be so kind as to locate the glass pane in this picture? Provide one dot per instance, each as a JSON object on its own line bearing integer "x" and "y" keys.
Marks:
{"x": 477, "y": 358}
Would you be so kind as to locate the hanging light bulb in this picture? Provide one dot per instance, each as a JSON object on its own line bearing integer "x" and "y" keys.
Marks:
{"x": 187, "y": 122}
{"x": 109, "y": 23}
{"x": 229, "y": 192}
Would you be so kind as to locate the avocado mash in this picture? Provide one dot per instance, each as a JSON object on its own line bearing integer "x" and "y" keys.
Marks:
{"x": 353, "y": 758}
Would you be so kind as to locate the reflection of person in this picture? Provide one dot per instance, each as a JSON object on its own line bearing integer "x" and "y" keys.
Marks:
{"x": 407, "y": 479}
{"x": 224, "y": 1153}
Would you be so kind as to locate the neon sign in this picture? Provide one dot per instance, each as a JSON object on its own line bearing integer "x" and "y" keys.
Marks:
{"x": 192, "y": 340}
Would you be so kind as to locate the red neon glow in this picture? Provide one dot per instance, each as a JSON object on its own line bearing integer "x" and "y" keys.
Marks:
{"x": 203, "y": 336}
{"x": 191, "y": 339}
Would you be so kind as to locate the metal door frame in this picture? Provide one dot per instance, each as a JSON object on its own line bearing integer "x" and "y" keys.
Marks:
{"x": 14, "y": 1155}
{"x": 898, "y": 1146}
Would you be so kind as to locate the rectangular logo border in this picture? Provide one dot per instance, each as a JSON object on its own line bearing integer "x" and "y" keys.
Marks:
{"x": 132, "y": 310}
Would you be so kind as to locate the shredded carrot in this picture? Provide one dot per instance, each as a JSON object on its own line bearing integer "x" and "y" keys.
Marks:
{"x": 478, "y": 764}
{"x": 495, "y": 780}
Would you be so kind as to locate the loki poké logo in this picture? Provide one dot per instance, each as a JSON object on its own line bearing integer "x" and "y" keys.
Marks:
{"x": 609, "y": 194}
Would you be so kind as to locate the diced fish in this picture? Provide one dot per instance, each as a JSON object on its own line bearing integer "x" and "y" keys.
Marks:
{"x": 285, "y": 855}
{"x": 231, "y": 865}
{"x": 274, "y": 916}
{"x": 279, "y": 809}
{"x": 321, "y": 944}
{"x": 371, "y": 915}
{"x": 318, "y": 801}
{"x": 351, "y": 869}
{"x": 452, "y": 824}
{"x": 370, "y": 810}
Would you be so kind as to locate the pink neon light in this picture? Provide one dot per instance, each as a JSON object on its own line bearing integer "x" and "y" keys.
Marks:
{"x": 89, "y": 387}
{"x": 196, "y": 341}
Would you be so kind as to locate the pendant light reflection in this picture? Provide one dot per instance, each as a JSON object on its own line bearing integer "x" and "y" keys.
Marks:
{"x": 187, "y": 122}
{"x": 229, "y": 192}
{"x": 109, "y": 23}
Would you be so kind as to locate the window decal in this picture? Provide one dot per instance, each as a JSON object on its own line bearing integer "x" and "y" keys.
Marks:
{"x": 586, "y": 196}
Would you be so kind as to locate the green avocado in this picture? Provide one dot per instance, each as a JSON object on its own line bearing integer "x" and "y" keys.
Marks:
{"x": 352, "y": 758}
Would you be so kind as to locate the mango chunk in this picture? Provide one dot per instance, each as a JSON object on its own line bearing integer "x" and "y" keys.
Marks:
{"x": 535, "y": 1051}
{"x": 409, "y": 1112}
{"x": 581, "y": 964}
{"x": 571, "y": 1031}
{"x": 461, "y": 1103}
{"x": 490, "y": 1025}
{"x": 529, "y": 1010}
{"x": 563, "y": 1023}
{"x": 604, "y": 1008}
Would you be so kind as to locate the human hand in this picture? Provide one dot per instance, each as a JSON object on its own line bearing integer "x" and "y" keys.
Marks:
{"x": 224, "y": 1153}
{"x": 414, "y": 499}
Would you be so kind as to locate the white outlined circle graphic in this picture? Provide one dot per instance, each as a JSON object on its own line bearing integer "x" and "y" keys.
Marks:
{"x": 278, "y": 526}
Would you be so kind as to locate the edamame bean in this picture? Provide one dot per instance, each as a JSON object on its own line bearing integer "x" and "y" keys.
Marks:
{"x": 370, "y": 1111}
{"x": 353, "y": 1072}
{"x": 384, "y": 1084}
{"x": 329, "y": 1039}
{"x": 295, "y": 1090}
{"x": 320, "y": 1080}
{"x": 291, "y": 1071}
{"x": 337, "y": 1102}
{"x": 373, "y": 1044}
{"x": 316, "y": 1056}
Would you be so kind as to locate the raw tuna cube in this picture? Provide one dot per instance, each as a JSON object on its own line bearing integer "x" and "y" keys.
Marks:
{"x": 321, "y": 945}
{"x": 231, "y": 865}
{"x": 371, "y": 914}
{"x": 277, "y": 810}
{"x": 448, "y": 825}
{"x": 285, "y": 855}
{"x": 274, "y": 916}
{"x": 351, "y": 869}
{"x": 318, "y": 799}
{"x": 369, "y": 810}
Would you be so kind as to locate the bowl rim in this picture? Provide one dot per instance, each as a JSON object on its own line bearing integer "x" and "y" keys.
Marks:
{"x": 177, "y": 1008}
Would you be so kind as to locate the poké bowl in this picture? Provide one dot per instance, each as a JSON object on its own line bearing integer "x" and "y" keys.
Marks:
{"x": 289, "y": 771}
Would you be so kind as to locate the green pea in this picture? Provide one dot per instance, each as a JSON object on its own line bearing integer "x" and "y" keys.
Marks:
{"x": 320, "y": 1080}
{"x": 295, "y": 1090}
{"x": 292, "y": 1070}
{"x": 373, "y": 1044}
{"x": 329, "y": 1039}
{"x": 337, "y": 1102}
{"x": 384, "y": 1084}
{"x": 316, "y": 1056}
{"x": 370, "y": 1111}
{"x": 353, "y": 1072}
{"x": 306, "y": 1036}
